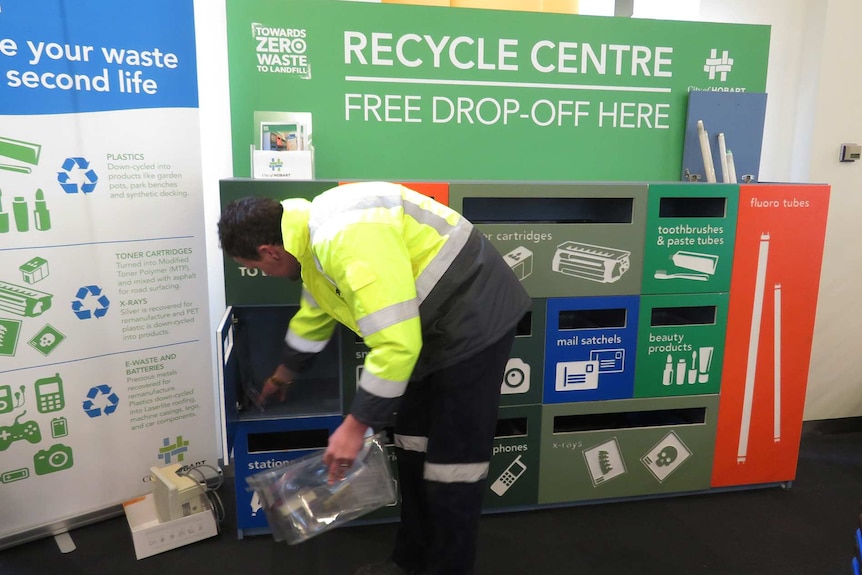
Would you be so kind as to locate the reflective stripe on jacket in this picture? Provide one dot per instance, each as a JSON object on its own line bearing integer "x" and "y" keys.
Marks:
{"x": 372, "y": 254}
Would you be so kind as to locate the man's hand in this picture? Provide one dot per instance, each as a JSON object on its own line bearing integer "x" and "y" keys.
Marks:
{"x": 344, "y": 443}
{"x": 276, "y": 385}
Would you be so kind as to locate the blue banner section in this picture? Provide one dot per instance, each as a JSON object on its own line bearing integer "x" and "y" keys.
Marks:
{"x": 64, "y": 56}
{"x": 590, "y": 348}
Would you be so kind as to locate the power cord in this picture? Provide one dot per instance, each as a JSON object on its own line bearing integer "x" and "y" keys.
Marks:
{"x": 210, "y": 485}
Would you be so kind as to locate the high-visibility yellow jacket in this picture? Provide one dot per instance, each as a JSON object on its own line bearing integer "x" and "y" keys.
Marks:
{"x": 411, "y": 276}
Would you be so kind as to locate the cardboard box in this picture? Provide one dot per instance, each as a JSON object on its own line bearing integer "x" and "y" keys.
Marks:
{"x": 152, "y": 537}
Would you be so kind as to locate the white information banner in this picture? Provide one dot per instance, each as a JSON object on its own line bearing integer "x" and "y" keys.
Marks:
{"x": 105, "y": 347}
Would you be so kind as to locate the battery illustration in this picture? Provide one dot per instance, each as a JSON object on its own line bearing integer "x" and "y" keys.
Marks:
{"x": 59, "y": 427}
{"x": 14, "y": 475}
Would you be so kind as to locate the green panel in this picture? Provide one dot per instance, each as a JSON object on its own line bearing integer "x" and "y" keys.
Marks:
{"x": 617, "y": 448}
{"x": 522, "y": 382}
{"x": 390, "y": 511}
{"x": 513, "y": 476}
{"x": 353, "y": 353}
{"x": 680, "y": 359}
{"x": 689, "y": 254}
{"x": 251, "y": 287}
{"x": 429, "y": 93}
{"x": 565, "y": 259}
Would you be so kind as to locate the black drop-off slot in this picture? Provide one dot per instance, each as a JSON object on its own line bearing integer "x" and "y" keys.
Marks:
{"x": 697, "y": 207}
{"x": 548, "y": 210}
{"x": 592, "y": 319}
{"x": 288, "y": 440}
{"x": 629, "y": 420}
{"x": 525, "y": 326}
{"x": 690, "y": 315}
{"x": 512, "y": 427}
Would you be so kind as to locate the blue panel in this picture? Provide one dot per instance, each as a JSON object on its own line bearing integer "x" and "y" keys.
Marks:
{"x": 230, "y": 378}
{"x": 740, "y": 117}
{"x": 590, "y": 348}
{"x": 62, "y": 57}
{"x": 246, "y": 464}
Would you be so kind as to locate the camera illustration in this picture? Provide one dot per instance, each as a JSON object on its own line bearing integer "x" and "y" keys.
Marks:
{"x": 56, "y": 458}
{"x": 517, "y": 377}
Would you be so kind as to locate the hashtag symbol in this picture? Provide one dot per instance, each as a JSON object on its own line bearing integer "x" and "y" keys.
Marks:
{"x": 714, "y": 64}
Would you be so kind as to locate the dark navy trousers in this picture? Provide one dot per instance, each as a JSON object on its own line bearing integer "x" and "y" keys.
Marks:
{"x": 444, "y": 434}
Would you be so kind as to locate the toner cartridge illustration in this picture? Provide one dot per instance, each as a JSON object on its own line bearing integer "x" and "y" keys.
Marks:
{"x": 595, "y": 263}
{"x": 23, "y": 301}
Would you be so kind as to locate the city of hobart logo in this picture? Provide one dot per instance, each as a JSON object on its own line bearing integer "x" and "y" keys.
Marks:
{"x": 281, "y": 50}
{"x": 718, "y": 65}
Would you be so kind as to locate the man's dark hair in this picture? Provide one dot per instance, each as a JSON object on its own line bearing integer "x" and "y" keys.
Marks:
{"x": 247, "y": 223}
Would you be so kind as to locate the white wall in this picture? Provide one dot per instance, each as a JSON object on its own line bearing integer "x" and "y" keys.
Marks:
{"x": 835, "y": 381}
{"x": 812, "y": 108}
{"x": 786, "y": 18}
{"x": 812, "y": 81}
{"x": 214, "y": 100}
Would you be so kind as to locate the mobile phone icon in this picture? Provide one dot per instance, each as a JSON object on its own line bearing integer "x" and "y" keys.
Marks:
{"x": 508, "y": 477}
{"x": 49, "y": 394}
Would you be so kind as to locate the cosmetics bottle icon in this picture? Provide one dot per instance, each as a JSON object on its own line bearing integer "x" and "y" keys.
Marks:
{"x": 4, "y": 217}
{"x": 41, "y": 215}
{"x": 667, "y": 374}
{"x": 19, "y": 211}
{"x": 680, "y": 371}
{"x": 704, "y": 364}
{"x": 692, "y": 368}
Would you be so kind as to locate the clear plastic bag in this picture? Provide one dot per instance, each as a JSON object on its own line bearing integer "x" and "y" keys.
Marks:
{"x": 300, "y": 503}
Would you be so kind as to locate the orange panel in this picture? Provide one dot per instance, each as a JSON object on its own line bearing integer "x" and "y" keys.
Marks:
{"x": 419, "y": 2}
{"x": 778, "y": 254}
{"x": 560, "y": 6}
{"x": 523, "y": 5}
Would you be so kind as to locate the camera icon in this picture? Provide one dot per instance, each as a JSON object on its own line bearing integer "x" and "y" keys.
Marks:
{"x": 516, "y": 378}
{"x": 56, "y": 458}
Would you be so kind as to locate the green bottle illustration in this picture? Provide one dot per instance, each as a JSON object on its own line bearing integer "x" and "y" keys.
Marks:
{"x": 19, "y": 210}
{"x": 4, "y": 217}
{"x": 41, "y": 215}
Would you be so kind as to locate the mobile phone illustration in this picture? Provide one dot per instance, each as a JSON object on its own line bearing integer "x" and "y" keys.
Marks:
{"x": 49, "y": 394}
{"x": 508, "y": 477}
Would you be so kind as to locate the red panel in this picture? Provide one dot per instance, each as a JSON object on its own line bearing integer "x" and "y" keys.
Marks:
{"x": 435, "y": 190}
{"x": 794, "y": 217}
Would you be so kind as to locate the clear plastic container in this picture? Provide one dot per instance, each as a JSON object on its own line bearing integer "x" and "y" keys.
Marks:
{"x": 300, "y": 503}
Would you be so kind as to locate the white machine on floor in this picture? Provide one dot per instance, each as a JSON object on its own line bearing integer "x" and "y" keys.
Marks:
{"x": 175, "y": 495}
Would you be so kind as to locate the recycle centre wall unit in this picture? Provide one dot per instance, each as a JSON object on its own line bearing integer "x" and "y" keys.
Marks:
{"x": 659, "y": 357}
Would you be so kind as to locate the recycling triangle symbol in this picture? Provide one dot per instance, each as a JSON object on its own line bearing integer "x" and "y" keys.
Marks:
{"x": 90, "y": 302}
{"x": 108, "y": 406}
{"x": 76, "y": 176}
